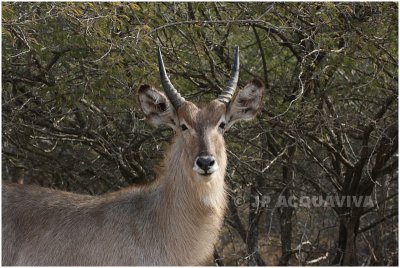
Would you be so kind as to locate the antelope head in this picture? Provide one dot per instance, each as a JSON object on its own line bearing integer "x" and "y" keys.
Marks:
{"x": 201, "y": 129}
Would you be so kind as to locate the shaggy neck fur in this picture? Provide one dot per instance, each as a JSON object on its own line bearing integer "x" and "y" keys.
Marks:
{"x": 173, "y": 222}
{"x": 191, "y": 210}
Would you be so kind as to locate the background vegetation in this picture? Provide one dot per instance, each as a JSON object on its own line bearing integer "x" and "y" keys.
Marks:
{"x": 71, "y": 120}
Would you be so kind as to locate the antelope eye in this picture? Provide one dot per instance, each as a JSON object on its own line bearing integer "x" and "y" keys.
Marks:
{"x": 222, "y": 125}
{"x": 184, "y": 127}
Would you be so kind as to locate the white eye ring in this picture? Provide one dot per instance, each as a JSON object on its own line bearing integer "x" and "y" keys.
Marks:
{"x": 222, "y": 123}
{"x": 185, "y": 127}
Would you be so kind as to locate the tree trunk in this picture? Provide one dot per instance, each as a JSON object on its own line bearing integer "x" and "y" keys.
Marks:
{"x": 347, "y": 253}
{"x": 285, "y": 221}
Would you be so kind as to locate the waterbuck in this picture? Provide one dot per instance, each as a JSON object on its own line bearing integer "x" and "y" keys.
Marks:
{"x": 173, "y": 221}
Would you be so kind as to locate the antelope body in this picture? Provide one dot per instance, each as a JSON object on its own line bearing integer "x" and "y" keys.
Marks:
{"x": 174, "y": 221}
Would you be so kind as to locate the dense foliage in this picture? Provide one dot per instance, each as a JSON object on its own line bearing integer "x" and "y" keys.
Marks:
{"x": 328, "y": 128}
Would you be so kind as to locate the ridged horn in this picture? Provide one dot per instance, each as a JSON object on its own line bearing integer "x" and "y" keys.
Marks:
{"x": 228, "y": 92}
{"x": 173, "y": 95}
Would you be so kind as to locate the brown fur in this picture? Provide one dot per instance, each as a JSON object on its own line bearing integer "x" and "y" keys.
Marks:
{"x": 174, "y": 221}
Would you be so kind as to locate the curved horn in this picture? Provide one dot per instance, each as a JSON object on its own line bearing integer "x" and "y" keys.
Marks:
{"x": 173, "y": 95}
{"x": 228, "y": 92}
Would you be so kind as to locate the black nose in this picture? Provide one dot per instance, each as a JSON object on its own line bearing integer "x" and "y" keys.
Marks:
{"x": 205, "y": 162}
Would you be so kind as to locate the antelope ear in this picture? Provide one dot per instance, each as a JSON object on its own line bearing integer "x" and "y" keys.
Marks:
{"x": 156, "y": 106}
{"x": 246, "y": 103}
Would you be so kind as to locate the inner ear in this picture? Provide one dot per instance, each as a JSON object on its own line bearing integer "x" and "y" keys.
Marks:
{"x": 246, "y": 103}
{"x": 156, "y": 106}
{"x": 162, "y": 106}
{"x": 151, "y": 100}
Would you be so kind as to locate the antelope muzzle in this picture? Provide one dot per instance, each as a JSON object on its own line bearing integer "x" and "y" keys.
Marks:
{"x": 205, "y": 164}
